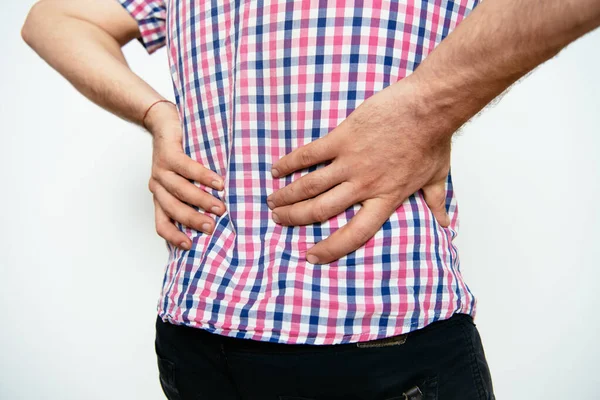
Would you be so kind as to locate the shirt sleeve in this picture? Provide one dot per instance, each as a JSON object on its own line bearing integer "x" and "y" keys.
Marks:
{"x": 150, "y": 16}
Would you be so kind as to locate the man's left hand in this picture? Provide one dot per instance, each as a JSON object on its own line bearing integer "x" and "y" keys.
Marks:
{"x": 387, "y": 149}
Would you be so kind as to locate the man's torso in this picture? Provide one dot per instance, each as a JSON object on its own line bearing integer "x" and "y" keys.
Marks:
{"x": 253, "y": 81}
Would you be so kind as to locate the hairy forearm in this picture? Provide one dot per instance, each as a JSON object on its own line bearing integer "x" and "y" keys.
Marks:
{"x": 501, "y": 41}
{"x": 89, "y": 58}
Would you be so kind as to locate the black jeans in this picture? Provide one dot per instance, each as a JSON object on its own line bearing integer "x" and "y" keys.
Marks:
{"x": 444, "y": 360}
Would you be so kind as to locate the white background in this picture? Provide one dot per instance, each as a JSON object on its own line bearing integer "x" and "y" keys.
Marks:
{"x": 81, "y": 264}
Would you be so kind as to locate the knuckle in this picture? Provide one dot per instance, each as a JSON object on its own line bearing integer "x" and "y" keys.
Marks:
{"x": 177, "y": 164}
{"x": 162, "y": 159}
{"x": 190, "y": 221}
{"x": 368, "y": 185}
{"x": 151, "y": 185}
{"x": 161, "y": 231}
{"x": 178, "y": 192}
{"x": 158, "y": 174}
{"x": 326, "y": 253}
{"x": 436, "y": 199}
{"x": 325, "y": 144}
{"x": 371, "y": 182}
{"x": 290, "y": 219}
{"x": 343, "y": 169}
{"x": 309, "y": 186}
{"x": 361, "y": 236}
{"x": 168, "y": 210}
{"x": 286, "y": 216}
{"x": 154, "y": 172}
{"x": 320, "y": 213}
{"x": 285, "y": 195}
{"x": 206, "y": 201}
{"x": 205, "y": 173}
{"x": 305, "y": 157}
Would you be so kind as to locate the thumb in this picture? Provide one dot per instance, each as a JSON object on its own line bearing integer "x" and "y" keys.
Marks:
{"x": 435, "y": 197}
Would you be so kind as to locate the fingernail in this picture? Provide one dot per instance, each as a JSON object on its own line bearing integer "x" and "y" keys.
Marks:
{"x": 274, "y": 172}
{"x": 312, "y": 259}
{"x": 184, "y": 245}
{"x": 275, "y": 218}
{"x": 206, "y": 227}
{"x": 270, "y": 204}
{"x": 214, "y": 209}
{"x": 217, "y": 184}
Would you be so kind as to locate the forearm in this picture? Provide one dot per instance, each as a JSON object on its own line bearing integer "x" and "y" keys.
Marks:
{"x": 497, "y": 44}
{"x": 89, "y": 58}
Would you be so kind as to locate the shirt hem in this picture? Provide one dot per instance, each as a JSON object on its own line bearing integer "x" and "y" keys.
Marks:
{"x": 270, "y": 336}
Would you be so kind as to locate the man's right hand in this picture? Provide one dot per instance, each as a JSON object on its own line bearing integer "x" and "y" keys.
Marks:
{"x": 170, "y": 183}
{"x": 82, "y": 40}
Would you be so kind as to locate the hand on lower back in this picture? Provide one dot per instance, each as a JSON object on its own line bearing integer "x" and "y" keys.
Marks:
{"x": 172, "y": 171}
{"x": 386, "y": 150}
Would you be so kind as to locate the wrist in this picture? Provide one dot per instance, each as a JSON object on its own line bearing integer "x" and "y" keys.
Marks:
{"x": 158, "y": 114}
{"x": 448, "y": 99}
{"x": 437, "y": 109}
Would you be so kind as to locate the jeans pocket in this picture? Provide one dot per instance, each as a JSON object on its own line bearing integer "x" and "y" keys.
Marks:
{"x": 166, "y": 372}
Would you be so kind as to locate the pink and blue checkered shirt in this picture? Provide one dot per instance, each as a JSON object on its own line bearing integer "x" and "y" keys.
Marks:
{"x": 253, "y": 80}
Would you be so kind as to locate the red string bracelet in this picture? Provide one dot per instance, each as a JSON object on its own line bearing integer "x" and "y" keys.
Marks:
{"x": 149, "y": 108}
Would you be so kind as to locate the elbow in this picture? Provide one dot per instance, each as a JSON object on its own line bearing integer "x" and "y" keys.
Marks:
{"x": 26, "y": 30}
{"x": 34, "y": 21}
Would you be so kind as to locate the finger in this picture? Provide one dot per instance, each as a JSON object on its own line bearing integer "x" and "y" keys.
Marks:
{"x": 362, "y": 227}
{"x": 315, "y": 152}
{"x": 319, "y": 209}
{"x": 167, "y": 229}
{"x": 181, "y": 212}
{"x": 308, "y": 186}
{"x": 189, "y": 193}
{"x": 435, "y": 198}
{"x": 188, "y": 168}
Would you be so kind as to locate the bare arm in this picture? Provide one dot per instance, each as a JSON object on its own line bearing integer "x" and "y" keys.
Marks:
{"x": 82, "y": 40}
{"x": 501, "y": 41}
{"x": 410, "y": 123}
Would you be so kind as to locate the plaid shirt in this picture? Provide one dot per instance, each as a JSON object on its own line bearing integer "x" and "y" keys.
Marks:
{"x": 254, "y": 80}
